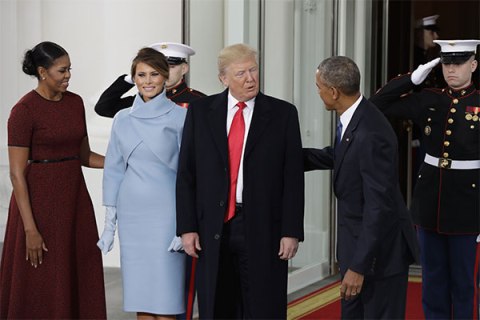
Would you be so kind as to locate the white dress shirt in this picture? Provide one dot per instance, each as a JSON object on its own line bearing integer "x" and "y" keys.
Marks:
{"x": 247, "y": 116}
{"x": 348, "y": 114}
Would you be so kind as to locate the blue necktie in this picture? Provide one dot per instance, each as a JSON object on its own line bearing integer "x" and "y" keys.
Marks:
{"x": 338, "y": 137}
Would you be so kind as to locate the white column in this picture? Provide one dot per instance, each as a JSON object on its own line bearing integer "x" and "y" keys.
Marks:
{"x": 207, "y": 37}
{"x": 279, "y": 49}
{"x": 234, "y": 22}
{"x": 15, "y": 17}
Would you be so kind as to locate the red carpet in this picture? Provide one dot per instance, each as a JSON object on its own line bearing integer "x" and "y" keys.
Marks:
{"x": 325, "y": 303}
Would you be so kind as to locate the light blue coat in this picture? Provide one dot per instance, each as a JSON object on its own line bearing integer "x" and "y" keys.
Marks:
{"x": 139, "y": 179}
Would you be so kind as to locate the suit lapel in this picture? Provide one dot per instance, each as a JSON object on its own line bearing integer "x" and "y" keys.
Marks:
{"x": 348, "y": 137}
{"x": 260, "y": 118}
{"x": 217, "y": 118}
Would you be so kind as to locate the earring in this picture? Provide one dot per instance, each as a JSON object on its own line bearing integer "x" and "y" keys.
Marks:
{"x": 43, "y": 78}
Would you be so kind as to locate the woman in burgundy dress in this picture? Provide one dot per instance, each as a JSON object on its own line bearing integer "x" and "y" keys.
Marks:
{"x": 51, "y": 267}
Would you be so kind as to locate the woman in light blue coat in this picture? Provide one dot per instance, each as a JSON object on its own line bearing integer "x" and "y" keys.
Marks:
{"x": 139, "y": 191}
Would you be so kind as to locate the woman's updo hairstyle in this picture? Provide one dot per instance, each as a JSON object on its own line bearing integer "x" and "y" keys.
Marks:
{"x": 42, "y": 55}
{"x": 154, "y": 59}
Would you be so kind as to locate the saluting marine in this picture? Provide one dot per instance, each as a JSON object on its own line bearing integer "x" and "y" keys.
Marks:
{"x": 111, "y": 100}
{"x": 446, "y": 198}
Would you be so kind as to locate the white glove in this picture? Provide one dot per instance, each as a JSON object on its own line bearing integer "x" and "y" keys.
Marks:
{"x": 176, "y": 245}
{"x": 478, "y": 238}
{"x": 128, "y": 78}
{"x": 422, "y": 71}
{"x": 106, "y": 240}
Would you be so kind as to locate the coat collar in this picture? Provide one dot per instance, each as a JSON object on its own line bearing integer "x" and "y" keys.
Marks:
{"x": 218, "y": 122}
{"x": 153, "y": 108}
{"x": 458, "y": 94}
{"x": 260, "y": 118}
{"x": 348, "y": 136}
{"x": 217, "y": 118}
{"x": 179, "y": 88}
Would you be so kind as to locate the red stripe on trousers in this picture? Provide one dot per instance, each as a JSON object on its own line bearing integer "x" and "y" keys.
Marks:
{"x": 191, "y": 290}
{"x": 475, "y": 285}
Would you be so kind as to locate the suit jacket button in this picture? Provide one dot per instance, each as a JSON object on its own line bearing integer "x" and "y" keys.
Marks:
{"x": 221, "y": 203}
{"x": 216, "y": 236}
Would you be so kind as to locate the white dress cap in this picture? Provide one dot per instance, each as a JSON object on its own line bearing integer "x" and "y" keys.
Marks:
{"x": 174, "y": 50}
{"x": 427, "y": 21}
{"x": 458, "y": 45}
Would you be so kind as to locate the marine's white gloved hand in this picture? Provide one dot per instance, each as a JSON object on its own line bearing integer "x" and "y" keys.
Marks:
{"x": 176, "y": 245}
{"x": 106, "y": 240}
{"x": 422, "y": 71}
{"x": 478, "y": 238}
{"x": 128, "y": 78}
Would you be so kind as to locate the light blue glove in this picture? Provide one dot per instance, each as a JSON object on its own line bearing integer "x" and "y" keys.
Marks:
{"x": 106, "y": 240}
{"x": 176, "y": 245}
{"x": 422, "y": 71}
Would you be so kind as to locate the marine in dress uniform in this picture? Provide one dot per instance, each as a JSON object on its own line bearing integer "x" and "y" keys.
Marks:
{"x": 426, "y": 30}
{"x": 424, "y": 49}
{"x": 446, "y": 198}
{"x": 111, "y": 100}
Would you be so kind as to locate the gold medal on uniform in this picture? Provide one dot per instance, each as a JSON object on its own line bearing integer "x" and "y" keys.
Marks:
{"x": 427, "y": 130}
{"x": 472, "y": 113}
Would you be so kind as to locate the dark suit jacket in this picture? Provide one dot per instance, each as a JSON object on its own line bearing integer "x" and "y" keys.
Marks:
{"x": 273, "y": 195}
{"x": 375, "y": 232}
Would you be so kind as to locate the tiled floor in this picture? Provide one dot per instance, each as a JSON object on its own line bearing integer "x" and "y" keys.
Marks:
{"x": 113, "y": 292}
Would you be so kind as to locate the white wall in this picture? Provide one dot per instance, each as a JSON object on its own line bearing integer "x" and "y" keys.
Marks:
{"x": 102, "y": 37}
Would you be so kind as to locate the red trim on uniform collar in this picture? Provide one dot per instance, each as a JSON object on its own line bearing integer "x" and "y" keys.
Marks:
{"x": 460, "y": 93}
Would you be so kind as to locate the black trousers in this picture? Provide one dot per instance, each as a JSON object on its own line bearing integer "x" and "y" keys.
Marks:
{"x": 379, "y": 299}
{"x": 232, "y": 294}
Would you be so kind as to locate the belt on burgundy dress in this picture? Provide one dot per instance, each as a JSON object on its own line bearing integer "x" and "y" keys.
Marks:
{"x": 55, "y": 160}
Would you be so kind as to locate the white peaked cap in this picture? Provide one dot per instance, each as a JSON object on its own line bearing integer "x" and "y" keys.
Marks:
{"x": 458, "y": 45}
{"x": 172, "y": 49}
{"x": 427, "y": 21}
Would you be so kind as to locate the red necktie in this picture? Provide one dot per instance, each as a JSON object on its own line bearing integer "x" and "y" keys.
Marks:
{"x": 235, "y": 146}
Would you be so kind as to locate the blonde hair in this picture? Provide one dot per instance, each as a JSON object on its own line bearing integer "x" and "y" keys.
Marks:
{"x": 235, "y": 52}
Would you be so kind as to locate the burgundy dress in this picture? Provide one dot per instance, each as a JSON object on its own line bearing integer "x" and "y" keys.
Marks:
{"x": 69, "y": 283}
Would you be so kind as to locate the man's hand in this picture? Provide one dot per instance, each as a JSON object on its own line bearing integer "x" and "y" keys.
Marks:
{"x": 351, "y": 285}
{"x": 191, "y": 243}
{"x": 288, "y": 248}
{"x": 422, "y": 71}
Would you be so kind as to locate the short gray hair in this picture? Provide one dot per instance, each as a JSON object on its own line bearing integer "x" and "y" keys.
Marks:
{"x": 235, "y": 52}
{"x": 342, "y": 73}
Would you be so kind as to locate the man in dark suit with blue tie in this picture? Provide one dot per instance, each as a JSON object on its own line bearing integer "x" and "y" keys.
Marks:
{"x": 376, "y": 240}
{"x": 240, "y": 193}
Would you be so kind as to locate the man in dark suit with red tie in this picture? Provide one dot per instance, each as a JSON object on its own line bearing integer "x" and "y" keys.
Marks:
{"x": 376, "y": 241}
{"x": 240, "y": 197}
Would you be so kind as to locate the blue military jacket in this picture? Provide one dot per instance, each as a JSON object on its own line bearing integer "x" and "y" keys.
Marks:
{"x": 445, "y": 200}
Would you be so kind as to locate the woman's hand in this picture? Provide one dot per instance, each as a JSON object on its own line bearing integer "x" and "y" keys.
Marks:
{"x": 35, "y": 248}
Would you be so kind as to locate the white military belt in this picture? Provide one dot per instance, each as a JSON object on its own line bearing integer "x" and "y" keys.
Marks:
{"x": 446, "y": 163}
